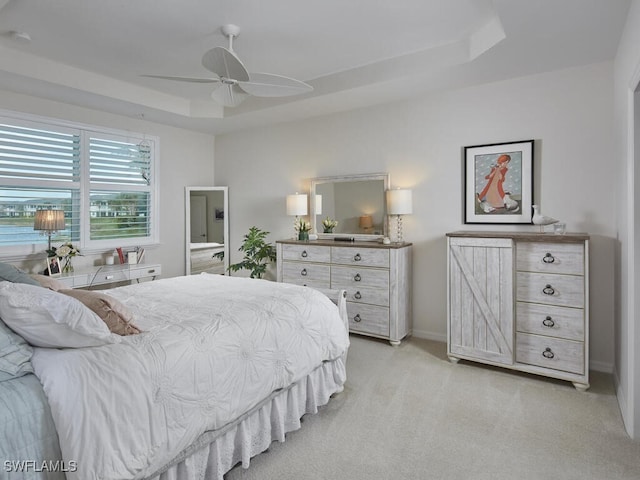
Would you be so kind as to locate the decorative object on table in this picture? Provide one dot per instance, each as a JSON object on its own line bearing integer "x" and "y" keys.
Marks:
{"x": 258, "y": 254}
{"x": 328, "y": 224}
{"x": 65, "y": 254}
{"x": 49, "y": 221}
{"x": 120, "y": 255}
{"x": 296, "y": 206}
{"x": 366, "y": 223}
{"x": 303, "y": 228}
{"x": 53, "y": 267}
{"x": 559, "y": 228}
{"x": 498, "y": 183}
{"x": 542, "y": 220}
{"x": 399, "y": 202}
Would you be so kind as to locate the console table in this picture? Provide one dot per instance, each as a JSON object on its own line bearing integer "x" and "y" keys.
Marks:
{"x": 108, "y": 274}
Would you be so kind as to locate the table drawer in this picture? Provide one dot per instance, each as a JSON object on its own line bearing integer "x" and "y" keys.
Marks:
{"x": 345, "y": 277}
{"x": 560, "y": 322}
{"x": 566, "y": 258}
{"x": 369, "y": 257}
{"x": 309, "y": 274}
{"x": 370, "y": 295}
{"x": 306, "y": 253}
{"x": 562, "y": 290}
{"x": 368, "y": 319}
{"x": 548, "y": 352}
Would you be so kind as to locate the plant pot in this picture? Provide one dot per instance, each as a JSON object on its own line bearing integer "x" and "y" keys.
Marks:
{"x": 304, "y": 236}
{"x": 327, "y": 230}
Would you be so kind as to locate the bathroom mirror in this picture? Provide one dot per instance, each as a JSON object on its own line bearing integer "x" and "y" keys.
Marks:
{"x": 356, "y": 202}
{"x": 207, "y": 229}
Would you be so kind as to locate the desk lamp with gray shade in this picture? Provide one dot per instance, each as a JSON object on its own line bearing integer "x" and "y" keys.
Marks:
{"x": 49, "y": 221}
{"x": 399, "y": 202}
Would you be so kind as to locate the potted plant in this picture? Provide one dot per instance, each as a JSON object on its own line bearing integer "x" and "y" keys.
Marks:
{"x": 328, "y": 225}
{"x": 258, "y": 254}
{"x": 303, "y": 228}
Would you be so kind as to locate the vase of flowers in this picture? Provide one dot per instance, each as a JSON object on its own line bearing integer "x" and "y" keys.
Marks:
{"x": 65, "y": 252}
{"x": 328, "y": 225}
{"x": 303, "y": 228}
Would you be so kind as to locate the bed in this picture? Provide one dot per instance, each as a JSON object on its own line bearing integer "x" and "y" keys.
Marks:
{"x": 222, "y": 367}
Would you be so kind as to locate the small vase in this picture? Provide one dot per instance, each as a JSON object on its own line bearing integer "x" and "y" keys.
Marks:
{"x": 303, "y": 236}
{"x": 327, "y": 230}
{"x": 68, "y": 266}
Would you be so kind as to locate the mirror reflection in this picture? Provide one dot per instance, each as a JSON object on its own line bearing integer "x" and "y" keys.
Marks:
{"x": 356, "y": 202}
{"x": 207, "y": 228}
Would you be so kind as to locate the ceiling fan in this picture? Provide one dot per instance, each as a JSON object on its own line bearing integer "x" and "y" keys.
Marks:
{"x": 235, "y": 82}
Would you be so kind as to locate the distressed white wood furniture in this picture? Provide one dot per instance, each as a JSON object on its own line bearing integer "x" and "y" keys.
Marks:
{"x": 376, "y": 277}
{"x": 520, "y": 301}
{"x": 110, "y": 274}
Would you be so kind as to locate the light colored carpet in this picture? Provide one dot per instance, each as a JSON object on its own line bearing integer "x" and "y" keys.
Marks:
{"x": 407, "y": 413}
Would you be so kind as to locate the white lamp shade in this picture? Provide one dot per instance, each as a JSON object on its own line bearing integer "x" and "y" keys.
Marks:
{"x": 318, "y": 206}
{"x": 297, "y": 204}
{"x": 399, "y": 202}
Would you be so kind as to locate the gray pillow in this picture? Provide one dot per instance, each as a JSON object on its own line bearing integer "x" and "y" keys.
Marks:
{"x": 15, "y": 354}
{"x": 13, "y": 274}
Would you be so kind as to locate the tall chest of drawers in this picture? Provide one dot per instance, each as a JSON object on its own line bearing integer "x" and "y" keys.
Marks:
{"x": 376, "y": 277}
{"x": 520, "y": 301}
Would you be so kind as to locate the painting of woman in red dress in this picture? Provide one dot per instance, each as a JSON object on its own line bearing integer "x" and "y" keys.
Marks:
{"x": 493, "y": 192}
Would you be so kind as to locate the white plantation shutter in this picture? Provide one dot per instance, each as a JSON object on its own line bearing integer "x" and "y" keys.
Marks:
{"x": 102, "y": 180}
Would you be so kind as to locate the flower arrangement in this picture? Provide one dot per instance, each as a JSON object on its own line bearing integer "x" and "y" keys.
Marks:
{"x": 328, "y": 225}
{"x": 66, "y": 252}
{"x": 303, "y": 228}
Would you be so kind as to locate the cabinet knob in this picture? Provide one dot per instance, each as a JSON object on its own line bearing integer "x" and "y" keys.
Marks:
{"x": 357, "y": 295}
{"x": 304, "y": 254}
{"x": 357, "y": 278}
{"x": 357, "y": 318}
{"x": 548, "y": 322}
{"x": 303, "y": 272}
{"x": 548, "y": 290}
{"x": 548, "y": 258}
{"x": 357, "y": 257}
{"x": 548, "y": 353}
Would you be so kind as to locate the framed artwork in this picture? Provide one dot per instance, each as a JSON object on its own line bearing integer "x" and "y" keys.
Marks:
{"x": 219, "y": 214}
{"x": 54, "y": 266}
{"x": 498, "y": 183}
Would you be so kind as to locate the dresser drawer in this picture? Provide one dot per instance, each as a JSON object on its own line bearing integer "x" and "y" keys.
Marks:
{"x": 566, "y": 258}
{"x": 547, "y": 352}
{"x": 344, "y": 277}
{"x": 561, "y": 290}
{"x": 370, "y": 295}
{"x": 369, "y": 257}
{"x": 368, "y": 319}
{"x": 560, "y": 322}
{"x": 309, "y": 274}
{"x": 306, "y": 253}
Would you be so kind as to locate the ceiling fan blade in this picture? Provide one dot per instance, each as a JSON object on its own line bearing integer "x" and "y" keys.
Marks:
{"x": 269, "y": 85}
{"x": 225, "y": 64}
{"x": 184, "y": 79}
{"x": 229, "y": 95}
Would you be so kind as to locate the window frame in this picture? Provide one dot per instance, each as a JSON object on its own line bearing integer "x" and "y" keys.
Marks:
{"x": 84, "y": 243}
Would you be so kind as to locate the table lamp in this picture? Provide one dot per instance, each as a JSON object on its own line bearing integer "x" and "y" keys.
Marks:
{"x": 366, "y": 223}
{"x": 49, "y": 221}
{"x": 297, "y": 205}
{"x": 399, "y": 202}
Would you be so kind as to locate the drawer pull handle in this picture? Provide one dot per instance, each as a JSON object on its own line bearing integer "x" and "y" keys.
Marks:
{"x": 357, "y": 296}
{"x": 357, "y": 258}
{"x": 548, "y": 353}
{"x": 548, "y": 258}
{"x": 304, "y": 254}
{"x": 357, "y": 278}
{"x": 357, "y": 318}
{"x": 303, "y": 272}
{"x": 548, "y": 322}
{"x": 548, "y": 290}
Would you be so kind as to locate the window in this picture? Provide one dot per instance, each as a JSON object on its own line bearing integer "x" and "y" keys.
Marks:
{"x": 104, "y": 181}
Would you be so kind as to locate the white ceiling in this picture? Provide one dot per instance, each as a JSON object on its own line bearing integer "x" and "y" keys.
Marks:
{"x": 353, "y": 52}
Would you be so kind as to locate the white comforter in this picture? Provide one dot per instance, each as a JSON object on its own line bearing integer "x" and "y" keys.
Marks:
{"x": 212, "y": 348}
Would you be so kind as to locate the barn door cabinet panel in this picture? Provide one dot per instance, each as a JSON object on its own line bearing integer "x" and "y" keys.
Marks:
{"x": 376, "y": 277}
{"x": 520, "y": 301}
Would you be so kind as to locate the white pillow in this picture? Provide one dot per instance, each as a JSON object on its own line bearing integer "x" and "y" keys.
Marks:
{"x": 45, "y": 318}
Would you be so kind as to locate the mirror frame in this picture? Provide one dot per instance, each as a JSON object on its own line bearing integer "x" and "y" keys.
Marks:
{"x": 187, "y": 204}
{"x": 385, "y": 177}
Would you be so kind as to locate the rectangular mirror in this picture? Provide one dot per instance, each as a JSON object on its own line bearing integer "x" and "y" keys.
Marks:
{"x": 207, "y": 229}
{"x": 356, "y": 202}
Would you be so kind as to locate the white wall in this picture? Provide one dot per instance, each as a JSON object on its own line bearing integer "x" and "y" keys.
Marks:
{"x": 627, "y": 335}
{"x": 419, "y": 142}
{"x": 186, "y": 158}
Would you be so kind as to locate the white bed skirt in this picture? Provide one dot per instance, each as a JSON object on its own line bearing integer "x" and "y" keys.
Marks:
{"x": 216, "y": 452}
